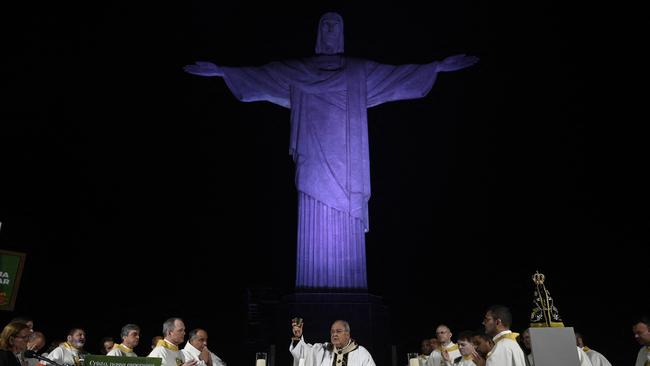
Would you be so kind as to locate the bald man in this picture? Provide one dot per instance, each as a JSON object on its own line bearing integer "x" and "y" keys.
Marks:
{"x": 197, "y": 349}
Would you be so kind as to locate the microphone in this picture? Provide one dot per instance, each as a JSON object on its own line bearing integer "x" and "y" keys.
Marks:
{"x": 31, "y": 354}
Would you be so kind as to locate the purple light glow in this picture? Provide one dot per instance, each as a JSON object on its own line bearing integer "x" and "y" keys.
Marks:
{"x": 328, "y": 95}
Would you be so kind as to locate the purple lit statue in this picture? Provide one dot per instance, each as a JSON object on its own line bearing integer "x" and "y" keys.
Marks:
{"x": 328, "y": 95}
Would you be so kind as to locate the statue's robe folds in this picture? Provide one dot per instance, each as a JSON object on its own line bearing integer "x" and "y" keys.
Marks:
{"x": 329, "y": 144}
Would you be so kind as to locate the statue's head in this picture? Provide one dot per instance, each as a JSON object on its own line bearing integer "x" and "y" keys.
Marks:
{"x": 330, "y": 34}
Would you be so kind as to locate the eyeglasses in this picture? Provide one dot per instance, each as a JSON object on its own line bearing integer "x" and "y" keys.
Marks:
{"x": 337, "y": 331}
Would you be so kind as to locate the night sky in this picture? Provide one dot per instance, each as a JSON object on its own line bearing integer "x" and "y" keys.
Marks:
{"x": 531, "y": 160}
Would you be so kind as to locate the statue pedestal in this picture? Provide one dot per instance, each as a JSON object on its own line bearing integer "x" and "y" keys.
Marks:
{"x": 554, "y": 346}
{"x": 366, "y": 313}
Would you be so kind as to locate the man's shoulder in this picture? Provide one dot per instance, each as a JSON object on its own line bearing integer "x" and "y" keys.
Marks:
{"x": 361, "y": 349}
{"x": 60, "y": 350}
{"x": 593, "y": 353}
{"x": 189, "y": 348}
{"x": 511, "y": 347}
{"x": 362, "y": 354}
{"x": 158, "y": 351}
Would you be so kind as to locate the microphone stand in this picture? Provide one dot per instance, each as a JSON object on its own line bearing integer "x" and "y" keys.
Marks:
{"x": 32, "y": 354}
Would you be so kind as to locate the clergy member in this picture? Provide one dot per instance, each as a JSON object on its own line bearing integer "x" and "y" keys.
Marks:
{"x": 130, "y": 339}
{"x": 443, "y": 334}
{"x": 341, "y": 351}
{"x": 506, "y": 350}
{"x": 197, "y": 349}
{"x": 466, "y": 349}
{"x": 71, "y": 351}
{"x": 596, "y": 358}
{"x": 167, "y": 348}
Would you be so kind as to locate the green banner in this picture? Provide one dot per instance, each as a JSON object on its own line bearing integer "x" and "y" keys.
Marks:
{"x": 96, "y": 360}
{"x": 11, "y": 268}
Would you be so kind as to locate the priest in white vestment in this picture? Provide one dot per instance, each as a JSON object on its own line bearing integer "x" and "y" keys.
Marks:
{"x": 427, "y": 346}
{"x": 167, "y": 348}
{"x": 71, "y": 351}
{"x": 467, "y": 351}
{"x": 583, "y": 359}
{"x": 130, "y": 338}
{"x": 197, "y": 349}
{"x": 596, "y": 358}
{"x": 443, "y": 334}
{"x": 341, "y": 351}
{"x": 506, "y": 350}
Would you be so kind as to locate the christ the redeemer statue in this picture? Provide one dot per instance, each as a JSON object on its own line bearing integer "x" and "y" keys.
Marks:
{"x": 328, "y": 95}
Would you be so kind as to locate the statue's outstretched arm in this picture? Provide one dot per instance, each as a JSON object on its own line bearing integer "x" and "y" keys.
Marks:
{"x": 456, "y": 62}
{"x": 203, "y": 68}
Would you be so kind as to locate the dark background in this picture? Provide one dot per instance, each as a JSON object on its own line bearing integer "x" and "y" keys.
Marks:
{"x": 140, "y": 192}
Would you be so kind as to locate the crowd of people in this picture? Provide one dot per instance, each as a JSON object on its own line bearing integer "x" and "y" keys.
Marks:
{"x": 496, "y": 345}
{"x": 20, "y": 345}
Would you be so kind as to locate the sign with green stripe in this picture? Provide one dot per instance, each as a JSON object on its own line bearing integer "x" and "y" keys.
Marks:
{"x": 11, "y": 268}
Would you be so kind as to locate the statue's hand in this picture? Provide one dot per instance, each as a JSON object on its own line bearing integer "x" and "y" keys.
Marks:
{"x": 203, "y": 68}
{"x": 456, "y": 62}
